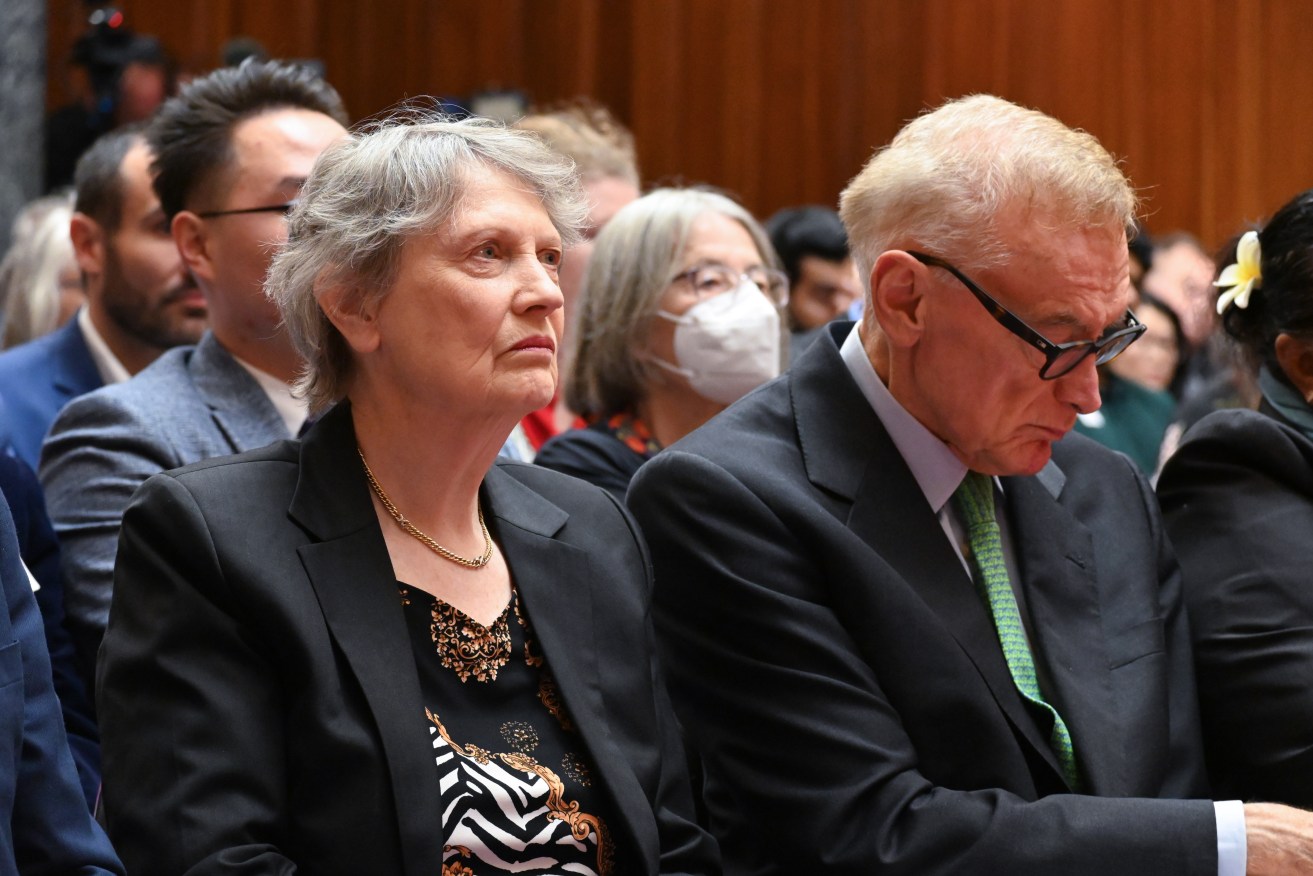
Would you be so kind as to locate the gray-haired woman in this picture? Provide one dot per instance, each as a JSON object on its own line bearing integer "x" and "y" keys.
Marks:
{"x": 371, "y": 651}
{"x": 679, "y": 317}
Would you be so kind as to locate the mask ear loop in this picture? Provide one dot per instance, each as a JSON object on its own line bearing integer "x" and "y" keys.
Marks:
{"x": 666, "y": 366}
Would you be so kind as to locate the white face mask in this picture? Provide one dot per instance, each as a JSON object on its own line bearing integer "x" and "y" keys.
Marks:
{"x": 727, "y": 345}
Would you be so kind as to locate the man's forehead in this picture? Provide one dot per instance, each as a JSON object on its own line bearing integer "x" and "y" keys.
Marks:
{"x": 135, "y": 172}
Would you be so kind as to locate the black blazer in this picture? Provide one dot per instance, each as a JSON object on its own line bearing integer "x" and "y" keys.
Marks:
{"x": 835, "y": 668}
{"x": 1238, "y": 501}
{"x": 259, "y": 703}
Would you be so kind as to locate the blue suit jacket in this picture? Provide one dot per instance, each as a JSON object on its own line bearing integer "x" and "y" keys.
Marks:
{"x": 190, "y": 404}
{"x": 45, "y": 827}
{"x": 40, "y": 551}
{"x": 37, "y": 379}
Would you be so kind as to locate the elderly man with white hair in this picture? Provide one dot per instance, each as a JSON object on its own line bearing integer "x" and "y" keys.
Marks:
{"x": 911, "y": 625}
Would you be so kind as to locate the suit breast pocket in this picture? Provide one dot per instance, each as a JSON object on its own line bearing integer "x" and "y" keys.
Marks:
{"x": 1136, "y": 643}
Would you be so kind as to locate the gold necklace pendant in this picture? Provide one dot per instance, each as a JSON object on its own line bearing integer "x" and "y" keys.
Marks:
{"x": 415, "y": 532}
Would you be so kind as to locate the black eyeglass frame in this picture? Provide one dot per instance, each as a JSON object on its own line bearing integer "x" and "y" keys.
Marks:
{"x": 1105, "y": 349}
{"x": 272, "y": 208}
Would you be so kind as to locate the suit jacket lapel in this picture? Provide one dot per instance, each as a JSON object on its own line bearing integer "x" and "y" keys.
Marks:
{"x": 556, "y": 584}
{"x": 240, "y": 407}
{"x": 73, "y": 370}
{"x": 1055, "y": 556}
{"x": 351, "y": 574}
{"x": 847, "y": 451}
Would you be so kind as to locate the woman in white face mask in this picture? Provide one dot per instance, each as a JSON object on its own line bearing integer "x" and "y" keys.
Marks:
{"x": 679, "y": 317}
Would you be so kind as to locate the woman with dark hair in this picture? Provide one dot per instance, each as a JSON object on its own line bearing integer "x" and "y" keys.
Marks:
{"x": 1238, "y": 502}
{"x": 1138, "y": 405}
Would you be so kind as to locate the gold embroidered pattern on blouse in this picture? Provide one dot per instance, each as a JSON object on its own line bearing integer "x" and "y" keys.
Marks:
{"x": 456, "y": 868}
{"x": 466, "y": 646}
{"x": 574, "y": 766}
{"x": 520, "y": 736}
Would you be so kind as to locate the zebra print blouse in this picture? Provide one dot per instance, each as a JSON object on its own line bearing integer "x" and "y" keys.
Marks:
{"x": 517, "y": 789}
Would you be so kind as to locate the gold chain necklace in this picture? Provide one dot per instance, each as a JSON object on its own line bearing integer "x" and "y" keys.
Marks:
{"x": 412, "y": 530}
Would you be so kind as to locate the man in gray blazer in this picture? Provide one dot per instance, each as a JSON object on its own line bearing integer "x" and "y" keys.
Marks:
{"x": 909, "y": 626}
{"x": 232, "y": 150}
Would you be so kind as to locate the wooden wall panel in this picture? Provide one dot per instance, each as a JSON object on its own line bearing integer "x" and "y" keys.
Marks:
{"x": 781, "y": 101}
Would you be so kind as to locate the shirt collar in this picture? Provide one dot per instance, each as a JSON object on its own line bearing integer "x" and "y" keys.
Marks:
{"x": 938, "y": 472}
{"x": 110, "y": 368}
{"x": 293, "y": 410}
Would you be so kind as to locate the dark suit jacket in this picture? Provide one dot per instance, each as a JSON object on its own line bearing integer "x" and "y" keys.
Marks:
{"x": 833, "y": 665}
{"x": 45, "y": 825}
{"x": 260, "y": 707}
{"x": 1238, "y": 501}
{"x": 38, "y": 378}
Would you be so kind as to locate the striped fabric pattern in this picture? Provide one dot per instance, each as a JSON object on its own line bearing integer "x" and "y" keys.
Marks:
{"x": 974, "y": 501}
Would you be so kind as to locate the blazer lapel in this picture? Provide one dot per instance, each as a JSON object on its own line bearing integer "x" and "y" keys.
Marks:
{"x": 848, "y": 452}
{"x": 240, "y": 407}
{"x": 556, "y": 583}
{"x": 350, "y": 572}
{"x": 73, "y": 370}
{"x": 1055, "y": 556}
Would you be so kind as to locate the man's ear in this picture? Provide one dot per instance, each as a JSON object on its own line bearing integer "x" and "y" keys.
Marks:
{"x": 898, "y": 284}
{"x": 353, "y": 314}
{"x": 194, "y": 245}
{"x": 88, "y": 244}
{"x": 1296, "y": 359}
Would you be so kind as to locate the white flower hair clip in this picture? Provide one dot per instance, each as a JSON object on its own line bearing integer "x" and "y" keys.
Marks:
{"x": 1241, "y": 279}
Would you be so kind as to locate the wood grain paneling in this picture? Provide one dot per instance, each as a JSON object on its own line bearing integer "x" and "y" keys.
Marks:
{"x": 780, "y": 101}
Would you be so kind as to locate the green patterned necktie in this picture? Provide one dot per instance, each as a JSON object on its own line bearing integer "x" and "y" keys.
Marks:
{"x": 974, "y": 501}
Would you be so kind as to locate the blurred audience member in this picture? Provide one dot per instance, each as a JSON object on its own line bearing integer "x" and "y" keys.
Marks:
{"x": 239, "y": 48}
{"x": 231, "y": 152}
{"x": 1238, "y": 501}
{"x": 1155, "y": 360}
{"x": 121, "y": 77}
{"x": 679, "y": 317}
{"x": 39, "y": 285}
{"x": 603, "y": 153}
{"x": 1138, "y": 407}
{"x": 1181, "y": 276}
{"x": 1214, "y": 377}
{"x": 823, "y": 282}
{"x": 140, "y": 299}
{"x": 45, "y": 826}
{"x": 1141, "y": 249}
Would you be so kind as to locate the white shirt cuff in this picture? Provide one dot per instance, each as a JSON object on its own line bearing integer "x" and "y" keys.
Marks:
{"x": 1231, "y": 848}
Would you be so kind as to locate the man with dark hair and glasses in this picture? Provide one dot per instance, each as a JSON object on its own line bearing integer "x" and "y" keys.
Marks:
{"x": 910, "y": 624}
{"x": 231, "y": 152}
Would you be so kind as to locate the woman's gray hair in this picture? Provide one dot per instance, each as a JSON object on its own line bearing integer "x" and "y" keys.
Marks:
{"x": 634, "y": 259}
{"x": 943, "y": 182}
{"x": 384, "y": 184}
{"x": 29, "y": 274}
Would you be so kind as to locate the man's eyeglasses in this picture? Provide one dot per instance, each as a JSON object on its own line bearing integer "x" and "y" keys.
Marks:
{"x": 272, "y": 208}
{"x": 1059, "y": 359}
{"x": 708, "y": 281}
